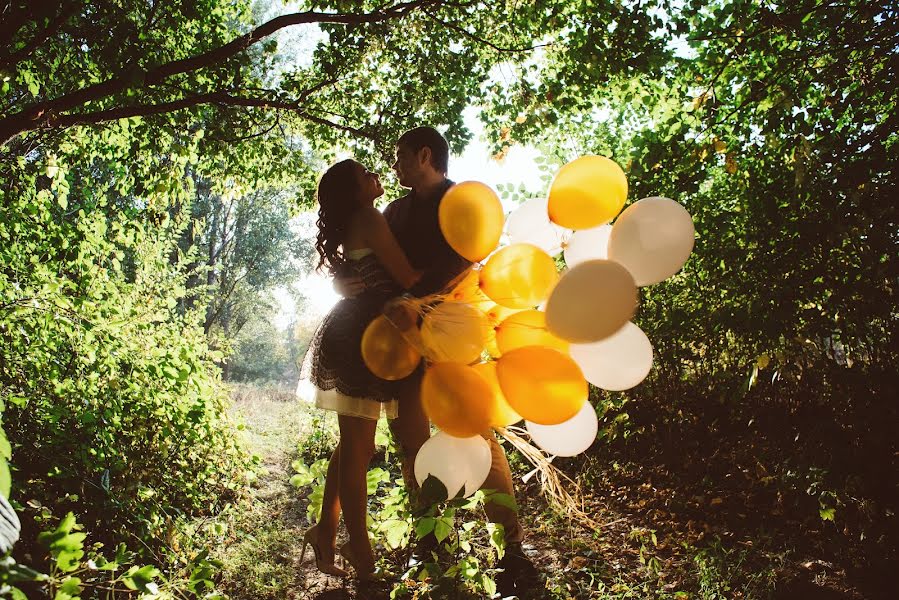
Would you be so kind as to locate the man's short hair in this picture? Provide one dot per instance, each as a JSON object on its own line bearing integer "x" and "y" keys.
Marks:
{"x": 418, "y": 138}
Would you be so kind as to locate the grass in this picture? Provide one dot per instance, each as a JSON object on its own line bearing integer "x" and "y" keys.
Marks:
{"x": 260, "y": 559}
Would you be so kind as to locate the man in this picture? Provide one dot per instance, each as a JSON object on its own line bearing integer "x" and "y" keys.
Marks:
{"x": 422, "y": 157}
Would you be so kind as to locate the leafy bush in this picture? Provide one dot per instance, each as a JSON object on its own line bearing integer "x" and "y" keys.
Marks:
{"x": 74, "y": 568}
{"x": 111, "y": 392}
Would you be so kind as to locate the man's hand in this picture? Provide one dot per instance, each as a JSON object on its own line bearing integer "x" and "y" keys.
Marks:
{"x": 348, "y": 287}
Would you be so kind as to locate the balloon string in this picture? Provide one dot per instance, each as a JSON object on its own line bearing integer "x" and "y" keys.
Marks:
{"x": 553, "y": 481}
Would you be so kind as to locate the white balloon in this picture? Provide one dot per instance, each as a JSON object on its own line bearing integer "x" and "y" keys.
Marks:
{"x": 479, "y": 462}
{"x": 569, "y": 437}
{"x": 652, "y": 238}
{"x": 530, "y": 223}
{"x": 587, "y": 244}
{"x": 618, "y": 362}
{"x": 456, "y": 462}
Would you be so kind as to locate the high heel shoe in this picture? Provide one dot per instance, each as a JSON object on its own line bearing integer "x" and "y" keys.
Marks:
{"x": 310, "y": 538}
{"x": 365, "y": 570}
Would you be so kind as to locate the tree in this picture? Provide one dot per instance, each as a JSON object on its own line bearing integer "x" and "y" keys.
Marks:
{"x": 123, "y": 81}
{"x": 379, "y": 68}
{"x": 248, "y": 247}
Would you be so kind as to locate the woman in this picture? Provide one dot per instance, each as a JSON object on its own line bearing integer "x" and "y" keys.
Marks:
{"x": 353, "y": 239}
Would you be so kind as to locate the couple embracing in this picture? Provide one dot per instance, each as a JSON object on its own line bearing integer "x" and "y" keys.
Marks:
{"x": 375, "y": 257}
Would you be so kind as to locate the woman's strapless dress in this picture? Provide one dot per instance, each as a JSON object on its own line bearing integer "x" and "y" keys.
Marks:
{"x": 333, "y": 375}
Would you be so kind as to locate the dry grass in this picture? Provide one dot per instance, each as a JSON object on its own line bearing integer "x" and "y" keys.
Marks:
{"x": 563, "y": 493}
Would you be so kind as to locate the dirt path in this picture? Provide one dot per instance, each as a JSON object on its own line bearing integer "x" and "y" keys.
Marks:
{"x": 262, "y": 559}
{"x": 262, "y": 556}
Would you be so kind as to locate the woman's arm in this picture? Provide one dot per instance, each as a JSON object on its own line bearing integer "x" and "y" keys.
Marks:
{"x": 380, "y": 239}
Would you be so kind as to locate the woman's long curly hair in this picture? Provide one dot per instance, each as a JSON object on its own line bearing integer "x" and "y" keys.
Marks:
{"x": 337, "y": 201}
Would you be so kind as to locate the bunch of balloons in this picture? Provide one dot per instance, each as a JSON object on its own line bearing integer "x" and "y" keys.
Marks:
{"x": 518, "y": 339}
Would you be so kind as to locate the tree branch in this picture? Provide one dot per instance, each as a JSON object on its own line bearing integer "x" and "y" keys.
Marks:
{"x": 481, "y": 40}
{"x": 38, "y": 114}
{"x": 40, "y": 37}
{"x": 219, "y": 97}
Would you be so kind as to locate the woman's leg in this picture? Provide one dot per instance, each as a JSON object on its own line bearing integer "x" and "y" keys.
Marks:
{"x": 330, "y": 515}
{"x": 357, "y": 445}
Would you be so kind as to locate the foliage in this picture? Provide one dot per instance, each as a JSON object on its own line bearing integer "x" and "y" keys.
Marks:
{"x": 775, "y": 127}
{"x": 264, "y": 353}
{"x": 248, "y": 247}
{"x": 76, "y": 569}
{"x": 469, "y": 546}
{"x": 774, "y": 124}
{"x": 112, "y": 388}
{"x": 375, "y": 70}
{"x": 462, "y": 543}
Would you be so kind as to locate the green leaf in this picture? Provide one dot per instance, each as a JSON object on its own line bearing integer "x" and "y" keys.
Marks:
{"x": 395, "y": 532}
{"x": 5, "y": 478}
{"x": 424, "y": 526}
{"x": 432, "y": 491}
{"x": 488, "y": 584}
{"x": 17, "y": 594}
{"x": 503, "y": 500}
{"x": 828, "y": 514}
{"x": 141, "y": 579}
{"x": 442, "y": 528}
{"x": 497, "y": 538}
{"x": 374, "y": 478}
{"x": 71, "y": 586}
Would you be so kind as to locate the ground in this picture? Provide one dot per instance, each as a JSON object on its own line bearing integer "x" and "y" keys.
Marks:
{"x": 662, "y": 538}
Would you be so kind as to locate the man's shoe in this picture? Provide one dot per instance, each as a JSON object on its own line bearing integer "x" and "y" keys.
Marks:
{"x": 519, "y": 576}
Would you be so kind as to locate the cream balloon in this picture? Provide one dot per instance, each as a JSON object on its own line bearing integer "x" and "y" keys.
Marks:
{"x": 454, "y": 332}
{"x": 529, "y": 223}
{"x": 591, "y": 302}
{"x": 587, "y": 244}
{"x": 456, "y": 462}
{"x": 569, "y": 438}
{"x": 618, "y": 362}
{"x": 652, "y": 238}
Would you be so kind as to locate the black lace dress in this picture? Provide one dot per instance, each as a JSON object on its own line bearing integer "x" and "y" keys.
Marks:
{"x": 333, "y": 375}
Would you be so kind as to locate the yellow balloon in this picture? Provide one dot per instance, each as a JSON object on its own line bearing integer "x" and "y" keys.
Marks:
{"x": 587, "y": 192}
{"x": 527, "y": 328}
{"x": 386, "y": 353}
{"x": 496, "y": 314}
{"x": 468, "y": 291}
{"x": 457, "y": 399}
{"x": 471, "y": 219}
{"x": 541, "y": 384}
{"x": 592, "y": 301}
{"x": 501, "y": 415}
{"x": 519, "y": 276}
{"x": 491, "y": 347}
{"x": 454, "y": 332}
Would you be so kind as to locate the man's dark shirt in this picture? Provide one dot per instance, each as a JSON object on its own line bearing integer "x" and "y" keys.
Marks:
{"x": 413, "y": 220}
